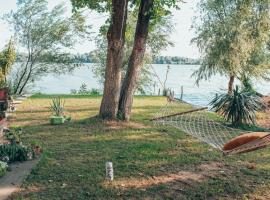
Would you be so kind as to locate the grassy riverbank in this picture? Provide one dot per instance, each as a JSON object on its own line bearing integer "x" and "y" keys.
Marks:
{"x": 150, "y": 162}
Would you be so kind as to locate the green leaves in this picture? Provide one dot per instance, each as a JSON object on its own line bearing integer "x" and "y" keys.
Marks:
{"x": 3, "y": 168}
{"x": 7, "y": 59}
{"x": 14, "y": 152}
{"x": 57, "y": 106}
{"x": 98, "y": 5}
{"x": 46, "y": 35}
{"x": 238, "y": 107}
{"x": 232, "y": 36}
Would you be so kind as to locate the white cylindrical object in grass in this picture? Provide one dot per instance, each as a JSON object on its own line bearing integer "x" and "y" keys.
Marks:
{"x": 109, "y": 171}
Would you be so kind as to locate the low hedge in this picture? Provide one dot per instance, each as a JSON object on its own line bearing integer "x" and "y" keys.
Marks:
{"x": 14, "y": 152}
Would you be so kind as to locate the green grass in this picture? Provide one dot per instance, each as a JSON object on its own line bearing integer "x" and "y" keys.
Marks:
{"x": 150, "y": 162}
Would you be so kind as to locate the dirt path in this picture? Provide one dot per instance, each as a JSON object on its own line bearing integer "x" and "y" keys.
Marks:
{"x": 13, "y": 179}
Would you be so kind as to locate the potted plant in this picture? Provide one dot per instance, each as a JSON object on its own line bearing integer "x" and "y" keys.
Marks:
{"x": 57, "y": 107}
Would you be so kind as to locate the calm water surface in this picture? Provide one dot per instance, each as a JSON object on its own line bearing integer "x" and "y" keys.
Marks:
{"x": 179, "y": 75}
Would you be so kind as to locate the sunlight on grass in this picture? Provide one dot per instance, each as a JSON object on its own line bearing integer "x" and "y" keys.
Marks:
{"x": 150, "y": 162}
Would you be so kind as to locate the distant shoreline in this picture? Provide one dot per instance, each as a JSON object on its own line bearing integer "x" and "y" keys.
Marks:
{"x": 147, "y": 64}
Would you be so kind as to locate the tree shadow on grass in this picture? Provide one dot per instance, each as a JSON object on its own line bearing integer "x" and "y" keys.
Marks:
{"x": 164, "y": 166}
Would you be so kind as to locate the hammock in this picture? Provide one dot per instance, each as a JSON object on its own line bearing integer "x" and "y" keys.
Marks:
{"x": 203, "y": 125}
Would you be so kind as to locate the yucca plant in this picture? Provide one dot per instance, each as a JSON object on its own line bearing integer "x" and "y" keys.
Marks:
{"x": 57, "y": 106}
{"x": 239, "y": 107}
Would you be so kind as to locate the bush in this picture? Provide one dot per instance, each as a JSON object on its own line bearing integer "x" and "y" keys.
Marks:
{"x": 239, "y": 107}
{"x": 15, "y": 152}
{"x": 84, "y": 91}
{"x": 14, "y": 136}
{"x": 94, "y": 92}
{"x": 3, "y": 168}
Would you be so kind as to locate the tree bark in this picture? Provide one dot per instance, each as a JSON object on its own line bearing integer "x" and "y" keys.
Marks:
{"x": 116, "y": 40}
{"x": 135, "y": 61}
{"x": 230, "y": 85}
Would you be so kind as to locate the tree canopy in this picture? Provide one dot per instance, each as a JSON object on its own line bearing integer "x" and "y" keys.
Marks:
{"x": 45, "y": 35}
{"x": 232, "y": 37}
{"x": 7, "y": 59}
{"x": 117, "y": 96}
{"x": 158, "y": 41}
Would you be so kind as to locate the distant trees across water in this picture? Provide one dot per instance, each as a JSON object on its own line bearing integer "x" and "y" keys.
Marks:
{"x": 175, "y": 60}
{"x": 90, "y": 58}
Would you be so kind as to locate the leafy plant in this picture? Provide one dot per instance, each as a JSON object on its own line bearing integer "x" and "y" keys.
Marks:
{"x": 83, "y": 89}
{"x": 7, "y": 58}
{"x": 239, "y": 107}
{"x": 49, "y": 33}
{"x": 3, "y": 168}
{"x": 14, "y": 135}
{"x": 57, "y": 106}
{"x": 15, "y": 152}
{"x": 94, "y": 91}
{"x": 247, "y": 84}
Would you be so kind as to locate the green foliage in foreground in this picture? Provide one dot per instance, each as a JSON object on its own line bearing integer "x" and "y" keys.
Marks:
{"x": 3, "y": 168}
{"x": 239, "y": 107}
{"x": 14, "y": 135}
{"x": 14, "y": 152}
{"x": 150, "y": 162}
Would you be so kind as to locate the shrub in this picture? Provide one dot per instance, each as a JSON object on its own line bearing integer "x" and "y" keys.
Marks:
{"x": 57, "y": 106}
{"x": 14, "y": 135}
{"x": 239, "y": 107}
{"x": 3, "y": 168}
{"x": 94, "y": 92}
{"x": 15, "y": 152}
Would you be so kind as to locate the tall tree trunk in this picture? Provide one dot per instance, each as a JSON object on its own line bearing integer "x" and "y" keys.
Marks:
{"x": 135, "y": 60}
{"x": 230, "y": 85}
{"x": 116, "y": 40}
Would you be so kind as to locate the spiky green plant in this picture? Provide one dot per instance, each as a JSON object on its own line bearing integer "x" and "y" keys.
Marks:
{"x": 239, "y": 107}
{"x": 57, "y": 106}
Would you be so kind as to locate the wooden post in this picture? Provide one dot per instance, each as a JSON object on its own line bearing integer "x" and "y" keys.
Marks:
{"x": 182, "y": 92}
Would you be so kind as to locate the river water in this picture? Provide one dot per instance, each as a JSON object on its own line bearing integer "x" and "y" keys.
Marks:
{"x": 178, "y": 76}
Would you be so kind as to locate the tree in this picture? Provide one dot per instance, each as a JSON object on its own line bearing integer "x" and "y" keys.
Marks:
{"x": 7, "y": 59}
{"x": 229, "y": 35}
{"x": 115, "y": 49}
{"x": 147, "y": 10}
{"x": 45, "y": 35}
{"x": 158, "y": 41}
{"x": 149, "y": 13}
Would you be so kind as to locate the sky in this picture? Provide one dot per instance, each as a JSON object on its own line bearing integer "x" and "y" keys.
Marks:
{"x": 181, "y": 37}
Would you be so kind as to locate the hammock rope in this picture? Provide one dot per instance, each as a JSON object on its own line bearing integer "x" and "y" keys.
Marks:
{"x": 199, "y": 123}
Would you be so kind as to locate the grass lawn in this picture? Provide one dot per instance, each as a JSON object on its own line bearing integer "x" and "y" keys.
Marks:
{"x": 150, "y": 162}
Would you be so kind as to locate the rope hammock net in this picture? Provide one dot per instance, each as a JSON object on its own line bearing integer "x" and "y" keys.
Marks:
{"x": 203, "y": 125}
